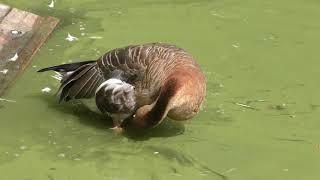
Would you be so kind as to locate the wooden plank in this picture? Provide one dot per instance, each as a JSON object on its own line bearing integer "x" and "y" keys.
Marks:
{"x": 21, "y": 35}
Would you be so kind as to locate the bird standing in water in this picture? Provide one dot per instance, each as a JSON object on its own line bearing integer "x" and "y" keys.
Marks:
{"x": 138, "y": 85}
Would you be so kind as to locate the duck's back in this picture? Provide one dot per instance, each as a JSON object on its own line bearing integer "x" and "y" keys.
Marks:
{"x": 144, "y": 66}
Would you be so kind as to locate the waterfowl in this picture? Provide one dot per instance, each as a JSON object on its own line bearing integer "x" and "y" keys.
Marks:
{"x": 137, "y": 85}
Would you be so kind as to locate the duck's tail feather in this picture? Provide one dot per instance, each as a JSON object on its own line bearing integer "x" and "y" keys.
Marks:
{"x": 79, "y": 80}
{"x": 82, "y": 83}
{"x": 66, "y": 67}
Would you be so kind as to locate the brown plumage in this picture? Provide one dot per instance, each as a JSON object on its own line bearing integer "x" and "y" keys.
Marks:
{"x": 166, "y": 81}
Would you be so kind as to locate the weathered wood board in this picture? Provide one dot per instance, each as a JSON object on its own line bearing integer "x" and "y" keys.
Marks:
{"x": 21, "y": 35}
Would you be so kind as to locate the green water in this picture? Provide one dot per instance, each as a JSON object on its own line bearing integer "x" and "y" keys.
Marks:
{"x": 260, "y": 54}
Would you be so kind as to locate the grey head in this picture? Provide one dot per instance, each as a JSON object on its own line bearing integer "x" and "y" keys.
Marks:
{"x": 116, "y": 98}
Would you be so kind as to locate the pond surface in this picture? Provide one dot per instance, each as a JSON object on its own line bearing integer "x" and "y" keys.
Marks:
{"x": 260, "y": 119}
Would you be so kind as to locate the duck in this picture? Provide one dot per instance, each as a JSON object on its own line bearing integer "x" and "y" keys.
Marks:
{"x": 138, "y": 86}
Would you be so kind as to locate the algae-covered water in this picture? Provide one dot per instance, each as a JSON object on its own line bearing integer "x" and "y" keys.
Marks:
{"x": 260, "y": 120}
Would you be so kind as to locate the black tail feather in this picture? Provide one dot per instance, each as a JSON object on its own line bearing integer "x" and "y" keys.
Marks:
{"x": 66, "y": 67}
{"x": 80, "y": 83}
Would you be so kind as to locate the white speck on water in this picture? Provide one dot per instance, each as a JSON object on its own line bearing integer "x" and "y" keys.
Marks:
{"x": 236, "y": 45}
{"x": 72, "y": 10}
{"x": 82, "y": 28}
{"x": 50, "y": 49}
{"x": 215, "y": 13}
{"x": 7, "y": 100}
{"x": 16, "y": 155}
{"x": 77, "y": 159}
{"x": 95, "y": 37}
{"x": 156, "y": 152}
{"x": 51, "y": 5}
{"x": 14, "y": 58}
{"x": 6, "y": 152}
{"x": 58, "y": 45}
{"x": 71, "y": 38}
{"x": 34, "y": 66}
{"x": 61, "y": 155}
{"x": 54, "y": 143}
{"x": 23, "y": 147}
{"x": 203, "y": 174}
{"x": 292, "y": 116}
{"x": 46, "y": 90}
{"x": 69, "y": 147}
{"x": 230, "y": 170}
{"x": 82, "y": 34}
{"x": 285, "y": 169}
{"x": 4, "y": 71}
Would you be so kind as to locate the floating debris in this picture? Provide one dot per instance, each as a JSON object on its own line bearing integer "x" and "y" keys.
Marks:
{"x": 61, "y": 155}
{"x": 14, "y": 58}
{"x": 214, "y": 13}
{"x": 77, "y": 159}
{"x": 285, "y": 169}
{"x": 156, "y": 152}
{"x": 7, "y": 100}
{"x": 95, "y": 37}
{"x": 236, "y": 45}
{"x": 292, "y": 116}
{"x": 314, "y": 106}
{"x": 51, "y": 5}
{"x": 23, "y": 147}
{"x": 279, "y": 107}
{"x": 230, "y": 170}
{"x": 246, "y": 106}
{"x": 71, "y": 38}
{"x": 4, "y": 71}
{"x": 257, "y": 100}
{"x": 72, "y": 10}
{"x": 292, "y": 140}
{"x": 16, "y": 155}
{"x": 46, "y": 90}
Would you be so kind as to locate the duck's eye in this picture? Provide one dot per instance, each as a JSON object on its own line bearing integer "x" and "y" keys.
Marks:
{"x": 134, "y": 116}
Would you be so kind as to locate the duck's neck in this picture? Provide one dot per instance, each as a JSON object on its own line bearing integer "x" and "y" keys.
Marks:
{"x": 151, "y": 115}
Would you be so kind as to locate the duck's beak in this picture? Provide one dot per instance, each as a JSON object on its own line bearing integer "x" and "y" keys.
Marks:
{"x": 118, "y": 129}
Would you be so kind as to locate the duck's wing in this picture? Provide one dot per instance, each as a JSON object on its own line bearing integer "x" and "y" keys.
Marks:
{"x": 126, "y": 64}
